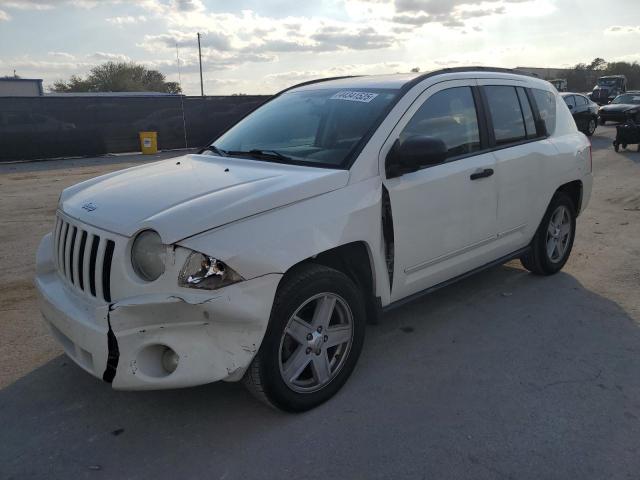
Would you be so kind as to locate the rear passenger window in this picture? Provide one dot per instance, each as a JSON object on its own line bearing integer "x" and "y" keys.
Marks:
{"x": 580, "y": 100}
{"x": 546, "y": 103}
{"x": 527, "y": 113}
{"x": 506, "y": 115}
{"x": 569, "y": 100}
{"x": 449, "y": 115}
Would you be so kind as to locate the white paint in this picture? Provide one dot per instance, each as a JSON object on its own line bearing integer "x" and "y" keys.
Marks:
{"x": 262, "y": 218}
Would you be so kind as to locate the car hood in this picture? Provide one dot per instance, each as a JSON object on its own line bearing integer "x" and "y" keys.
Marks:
{"x": 187, "y": 195}
{"x": 618, "y": 107}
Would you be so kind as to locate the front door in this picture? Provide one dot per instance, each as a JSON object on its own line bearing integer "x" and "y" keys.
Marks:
{"x": 444, "y": 216}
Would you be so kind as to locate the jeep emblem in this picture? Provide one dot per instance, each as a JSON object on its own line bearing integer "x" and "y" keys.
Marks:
{"x": 89, "y": 207}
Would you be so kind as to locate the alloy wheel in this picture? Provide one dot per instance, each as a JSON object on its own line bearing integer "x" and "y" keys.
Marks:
{"x": 316, "y": 342}
{"x": 558, "y": 234}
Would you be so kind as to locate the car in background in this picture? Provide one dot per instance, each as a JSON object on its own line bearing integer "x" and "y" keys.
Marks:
{"x": 584, "y": 111}
{"x": 624, "y": 107}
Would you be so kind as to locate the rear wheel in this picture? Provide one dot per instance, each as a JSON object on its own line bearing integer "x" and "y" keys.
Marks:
{"x": 313, "y": 341}
{"x": 591, "y": 127}
{"x": 553, "y": 241}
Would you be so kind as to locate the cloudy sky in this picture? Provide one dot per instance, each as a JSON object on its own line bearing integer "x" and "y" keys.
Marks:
{"x": 261, "y": 46}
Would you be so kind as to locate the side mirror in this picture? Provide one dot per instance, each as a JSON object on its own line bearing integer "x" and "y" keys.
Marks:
{"x": 570, "y": 107}
{"x": 414, "y": 153}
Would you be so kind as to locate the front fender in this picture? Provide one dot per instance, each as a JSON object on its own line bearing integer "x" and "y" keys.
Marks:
{"x": 275, "y": 241}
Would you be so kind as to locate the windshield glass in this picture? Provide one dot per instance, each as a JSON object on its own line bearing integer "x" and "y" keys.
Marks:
{"x": 608, "y": 82}
{"x": 315, "y": 127}
{"x": 628, "y": 98}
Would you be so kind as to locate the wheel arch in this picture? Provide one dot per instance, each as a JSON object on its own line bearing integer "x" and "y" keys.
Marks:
{"x": 574, "y": 190}
{"x": 355, "y": 260}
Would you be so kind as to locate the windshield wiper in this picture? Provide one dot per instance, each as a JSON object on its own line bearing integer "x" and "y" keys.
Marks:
{"x": 257, "y": 153}
{"x": 217, "y": 151}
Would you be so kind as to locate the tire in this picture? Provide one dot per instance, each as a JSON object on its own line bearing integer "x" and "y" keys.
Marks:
{"x": 297, "y": 331}
{"x": 603, "y": 121}
{"x": 616, "y": 146}
{"x": 591, "y": 128}
{"x": 624, "y": 145}
{"x": 538, "y": 260}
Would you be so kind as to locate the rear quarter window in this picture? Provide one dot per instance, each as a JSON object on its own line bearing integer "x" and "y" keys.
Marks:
{"x": 546, "y": 103}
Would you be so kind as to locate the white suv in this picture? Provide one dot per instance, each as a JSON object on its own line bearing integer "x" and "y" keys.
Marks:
{"x": 263, "y": 257}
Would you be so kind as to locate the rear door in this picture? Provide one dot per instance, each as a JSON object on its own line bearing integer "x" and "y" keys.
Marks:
{"x": 571, "y": 104}
{"x": 581, "y": 113}
{"x": 521, "y": 149}
{"x": 444, "y": 216}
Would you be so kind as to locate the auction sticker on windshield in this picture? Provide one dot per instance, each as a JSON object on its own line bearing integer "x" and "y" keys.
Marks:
{"x": 351, "y": 96}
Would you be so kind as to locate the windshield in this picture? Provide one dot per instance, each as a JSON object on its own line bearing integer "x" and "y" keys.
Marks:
{"x": 627, "y": 98}
{"x": 608, "y": 82}
{"x": 315, "y": 127}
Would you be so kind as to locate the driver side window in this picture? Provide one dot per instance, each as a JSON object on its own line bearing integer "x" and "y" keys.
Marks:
{"x": 449, "y": 115}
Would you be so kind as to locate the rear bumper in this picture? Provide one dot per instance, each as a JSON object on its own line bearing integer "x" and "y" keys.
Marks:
{"x": 215, "y": 333}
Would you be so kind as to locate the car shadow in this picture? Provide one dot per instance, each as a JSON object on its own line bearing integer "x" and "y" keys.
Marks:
{"x": 503, "y": 374}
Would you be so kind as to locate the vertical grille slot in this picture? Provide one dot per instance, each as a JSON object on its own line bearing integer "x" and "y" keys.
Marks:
{"x": 84, "y": 259}
{"x": 63, "y": 248}
{"x": 92, "y": 264}
{"x": 72, "y": 244}
{"x": 56, "y": 240}
{"x": 80, "y": 262}
{"x": 106, "y": 270}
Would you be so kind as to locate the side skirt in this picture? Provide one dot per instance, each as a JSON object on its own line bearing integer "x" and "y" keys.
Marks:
{"x": 499, "y": 261}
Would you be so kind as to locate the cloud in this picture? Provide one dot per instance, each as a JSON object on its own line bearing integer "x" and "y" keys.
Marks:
{"x": 214, "y": 40}
{"x": 126, "y": 20}
{"x": 109, "y": 57}
{"x": 450, "y": 13}
{"x": 4, "y": 16}
{"x": 49, "y": 4}
{"x": 622, "y": 29}
{"x": 29, "y": 4}
{"x": 188, "y": 5}
{"x": 334, "y": 38}
{"x": 64, "y": 55}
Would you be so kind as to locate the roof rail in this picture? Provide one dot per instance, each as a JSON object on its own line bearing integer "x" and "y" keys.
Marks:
{"x": 317, "y": 80}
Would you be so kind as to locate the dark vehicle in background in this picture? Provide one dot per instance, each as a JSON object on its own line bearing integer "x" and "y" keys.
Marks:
{"x": 608, "y": 88}
{"x": 624, "y": 107}
{"x": 584, "y": 111}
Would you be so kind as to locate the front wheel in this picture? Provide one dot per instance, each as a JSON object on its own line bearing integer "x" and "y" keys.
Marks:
{"x": 313, "y": 341}
{"x": 591, "y": 127}
{"x": 553, "y": 241}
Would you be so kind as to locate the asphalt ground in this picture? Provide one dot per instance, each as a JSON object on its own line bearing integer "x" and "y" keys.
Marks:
{"x": 502, "y": 375}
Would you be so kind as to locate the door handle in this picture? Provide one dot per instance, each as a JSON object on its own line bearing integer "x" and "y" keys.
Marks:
{"x": 487, "y": 172}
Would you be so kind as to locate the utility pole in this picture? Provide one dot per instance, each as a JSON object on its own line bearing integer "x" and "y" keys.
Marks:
{"x": 200, "y": 58}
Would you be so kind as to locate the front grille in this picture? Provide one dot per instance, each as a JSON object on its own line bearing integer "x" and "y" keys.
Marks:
{"x": 84, "y": 258}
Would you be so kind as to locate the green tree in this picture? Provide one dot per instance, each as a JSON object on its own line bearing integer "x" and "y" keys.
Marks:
{"x": 118, "y": 77}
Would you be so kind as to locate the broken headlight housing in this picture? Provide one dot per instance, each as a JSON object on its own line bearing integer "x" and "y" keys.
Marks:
{"x": 207, "y": 273}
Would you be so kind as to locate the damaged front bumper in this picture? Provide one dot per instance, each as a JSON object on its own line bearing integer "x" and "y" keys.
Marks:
{"x": 215, "y": 334}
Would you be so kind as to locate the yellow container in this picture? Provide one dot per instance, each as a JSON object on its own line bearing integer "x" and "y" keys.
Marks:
{"x": 149, "y": 142}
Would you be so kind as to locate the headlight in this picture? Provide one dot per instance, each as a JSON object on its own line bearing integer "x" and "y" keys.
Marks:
{"x": 203, "y": 271}
{"x": 148, "y": 255}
